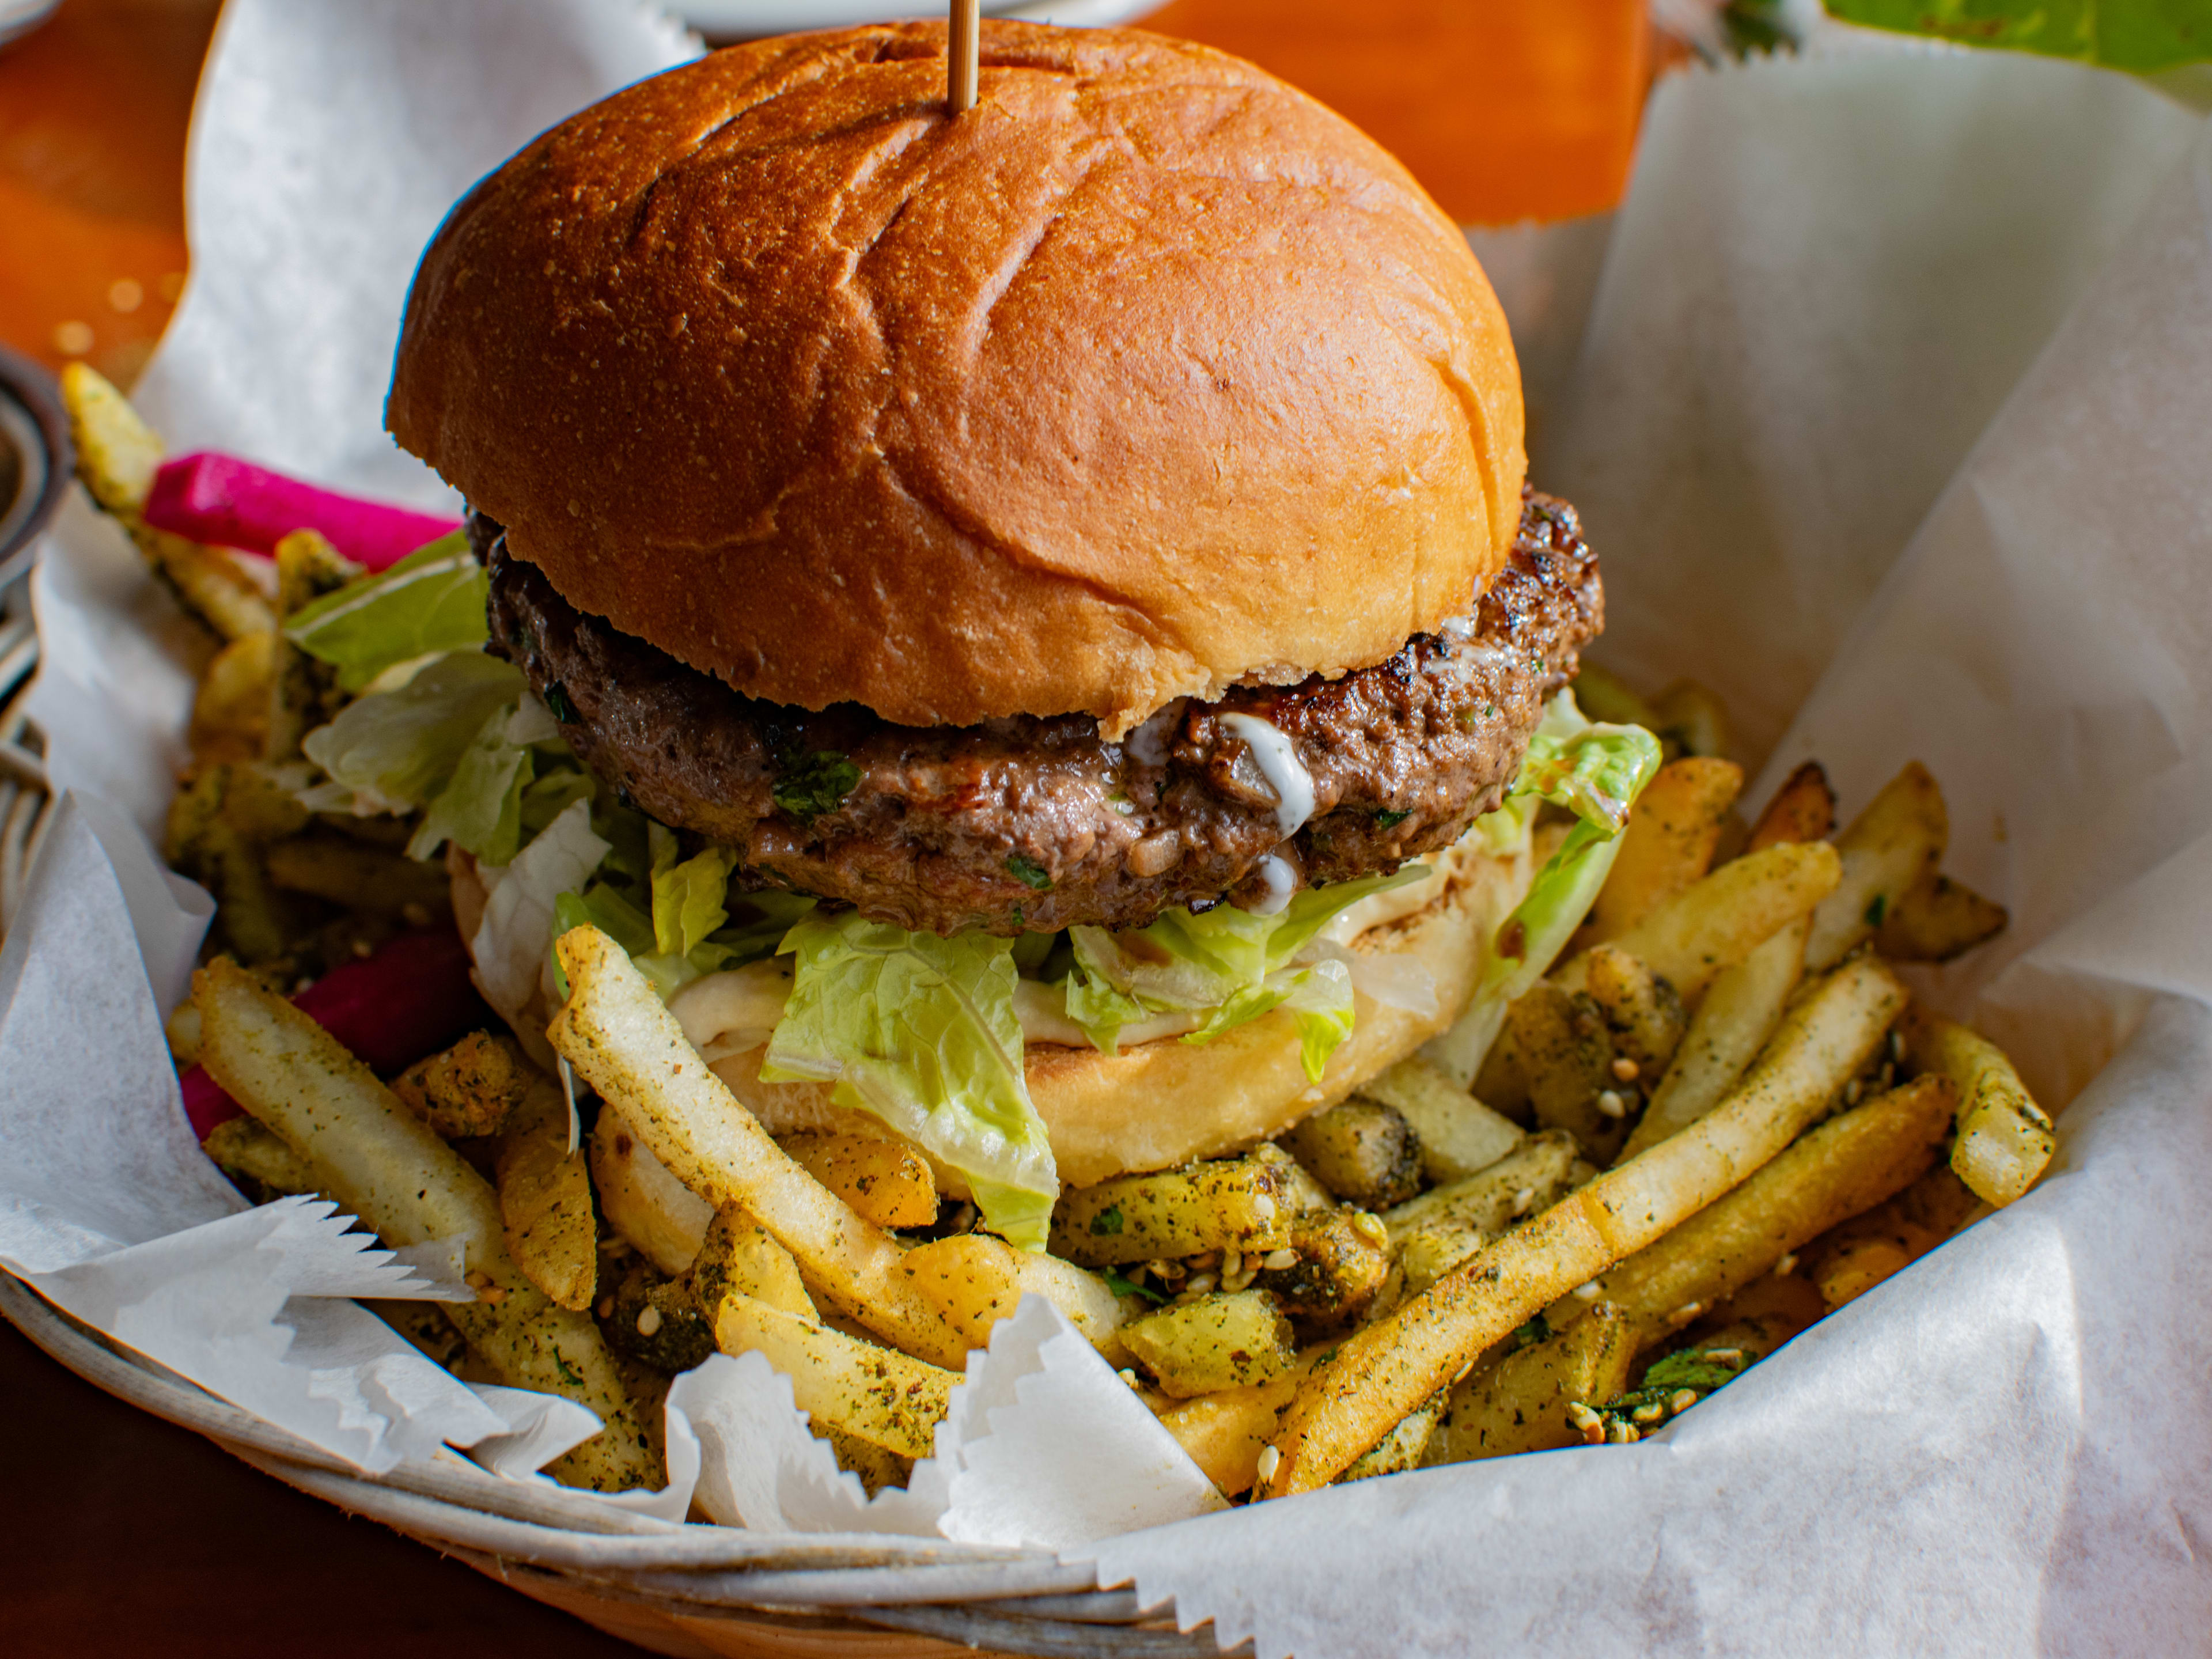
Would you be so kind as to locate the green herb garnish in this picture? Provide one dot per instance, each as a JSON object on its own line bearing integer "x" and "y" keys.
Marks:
{"x": 1121, "y": 1286}
{"x": 1028, "y": 871}
{"x": 814, "y": 784}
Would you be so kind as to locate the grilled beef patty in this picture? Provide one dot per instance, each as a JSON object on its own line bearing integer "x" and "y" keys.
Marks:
{"x": 1034, "y": 823}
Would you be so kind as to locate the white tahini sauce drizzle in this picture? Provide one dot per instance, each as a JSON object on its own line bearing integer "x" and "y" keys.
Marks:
{"x": 1278, "y": 762}
{"x": 1281, "y": 882}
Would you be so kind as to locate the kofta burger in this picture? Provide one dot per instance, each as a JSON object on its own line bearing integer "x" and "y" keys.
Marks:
{"x": 1043, "y": 602}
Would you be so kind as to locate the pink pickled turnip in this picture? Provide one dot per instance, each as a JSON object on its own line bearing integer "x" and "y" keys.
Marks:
{"x": 410, "y": 1000}
{"x": 228, "y": 503}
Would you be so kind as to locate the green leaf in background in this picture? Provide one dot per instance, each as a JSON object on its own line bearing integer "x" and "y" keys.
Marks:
{"x": 432, "y": 600}
{"x": 920, "y": 1032}
{"x": 2142, "y": 35}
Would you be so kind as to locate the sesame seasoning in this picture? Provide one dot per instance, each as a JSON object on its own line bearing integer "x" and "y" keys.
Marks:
{"x": 1610, "y": 1103}
{"x": 1686, "y": 1312}
{"x": 1626, "y": 1069}
{"x": 648, "y": 1321}
{"x": 1522, "y": 1199}
{"x": 1263, "y": 1210}
{"x": 1271, "y": 1458}
{"x": 1787, "y": 1266}
{"x": 1853, "y": 1090}
{"x": 1587, "y": 1292}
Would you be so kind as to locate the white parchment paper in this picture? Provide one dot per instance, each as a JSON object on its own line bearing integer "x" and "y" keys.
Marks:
{"x": 1887, "y": 413}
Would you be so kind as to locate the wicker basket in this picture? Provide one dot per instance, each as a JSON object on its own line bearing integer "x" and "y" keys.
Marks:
{"x": 697, "y": 1590}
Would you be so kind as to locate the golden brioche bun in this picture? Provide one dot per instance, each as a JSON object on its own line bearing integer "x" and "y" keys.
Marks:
{"x": 1159, "y": 1105}
{"x": 1146, "y": 376}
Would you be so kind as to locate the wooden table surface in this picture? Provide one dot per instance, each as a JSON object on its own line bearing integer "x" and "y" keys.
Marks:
{"x": 124, "y": 1535}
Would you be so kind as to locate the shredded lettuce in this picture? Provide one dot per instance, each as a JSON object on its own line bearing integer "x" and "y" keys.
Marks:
{"x": 512, "y": 946}
{"x": 432, "y": 600}
{"x": 1232, "y": 965}
{"x": 481, "y": 805}
{"x": 687, "y": 897}
{"x": 920, "y": 1031}
{"x": 397, "y": 751}
{"x": 1595, "y": 772}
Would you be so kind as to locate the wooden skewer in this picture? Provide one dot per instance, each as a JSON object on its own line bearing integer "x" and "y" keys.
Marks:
{"x": 961, "y": 54}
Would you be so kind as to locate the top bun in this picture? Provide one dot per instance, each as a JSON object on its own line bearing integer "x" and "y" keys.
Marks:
{"x": 1146, "y": 376}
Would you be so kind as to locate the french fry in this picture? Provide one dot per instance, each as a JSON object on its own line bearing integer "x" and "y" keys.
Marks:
{"x": 1850, "y": 1260}
{"x": 472, "y": 1088}
{"x": 880, "y": 1395}
{"x": 1521, "y": 1404}
{"x": 975, "y": 1281}
{"x": 1387, "y": 1369}
{"x": 117, "y": 452}
{"x": 545, "y": 1199}
{"x": 1492, "y": 1199}
{"x": 1458, "y": 1134}
{"x": 1236, "y": 1204}
{"x": 1641, "y": 1009}
{"x": 885, "y": 1181}
{"x": 259, "y": 1162}
{"x": 1552, "y": 1058}
{"x": 1669, "y": 843}
{"x": 650, "y": 1207}
{"x": 303, "y": 693}
{"x": 1343, "y": 1259}
{"x": 876, "y": 1467}
{"x": 1847, "y": 1165}
{"x": 117, "y": 455}
{"x": 1709, "y": 927}
{"x": 738, "y": 1256}
{"x": 1228, "y": 1340}
{"x": 254, "y": 919}
{"x": 1731, "y": 1026}
{"x": 230, "y": 711}
{"x": 623, "y": 1041}
{"x": 657, "y": 1321}
{"x": 1403, "y": 1448}
{"x": 1802, "y": 809}
{"x": 1362, "y": 1150}
{"x": 1225, "y": 1432}
{"x": 1300, "y": 1192}
{"x": 383, "y": 1165}
{"x": 1889, "y": 850}
{"x": 359, "y": 878}
{"x": 1692, "y": 718}
{"x": 1938, "y": 920}
{"x": 2005, "y": 1139}
{"x": 211, "y": 582}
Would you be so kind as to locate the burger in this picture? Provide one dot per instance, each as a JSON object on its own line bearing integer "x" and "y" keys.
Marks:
{"x": 1030, "y": 624}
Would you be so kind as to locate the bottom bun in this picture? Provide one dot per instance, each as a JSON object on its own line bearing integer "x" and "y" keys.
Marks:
{"x": 1156, "y": 1105}
{"x": 1160, "y": 1104}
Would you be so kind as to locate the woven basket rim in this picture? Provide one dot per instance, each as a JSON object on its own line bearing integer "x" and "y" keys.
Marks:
{"x": 1015, "y": 1600}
